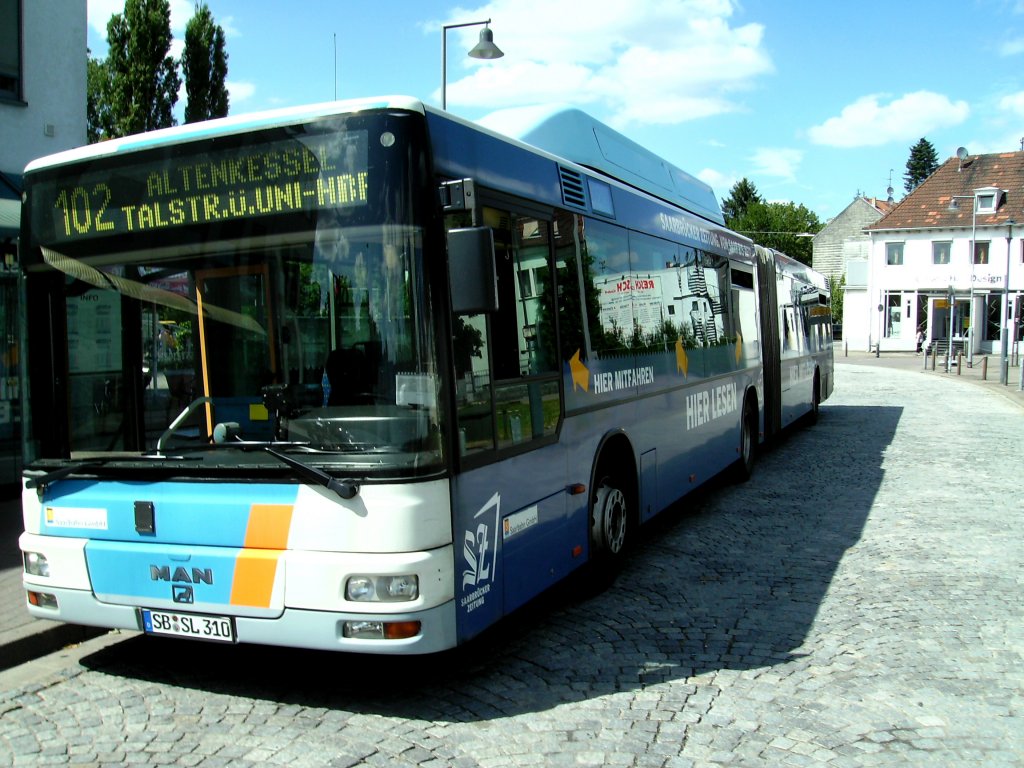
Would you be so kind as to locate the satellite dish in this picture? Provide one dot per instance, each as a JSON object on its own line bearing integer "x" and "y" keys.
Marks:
{"x": 961, "y": 153}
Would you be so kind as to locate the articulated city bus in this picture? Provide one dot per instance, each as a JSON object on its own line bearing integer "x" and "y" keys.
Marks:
{"x": 365, "y": 376}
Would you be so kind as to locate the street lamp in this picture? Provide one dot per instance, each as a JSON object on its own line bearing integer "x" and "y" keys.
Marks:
{"x": 485, "y": 49}
{"x": 955, "y": 207}
{"x": 1004, "y": 329}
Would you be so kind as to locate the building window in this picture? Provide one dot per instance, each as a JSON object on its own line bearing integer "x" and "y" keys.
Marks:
{"x": 893, "y": 254}
{"x": 986, "y": 200}
{"x": 940, "y": 252}
{"x": 981, "y": 253}
{"x": 10, "y": 50}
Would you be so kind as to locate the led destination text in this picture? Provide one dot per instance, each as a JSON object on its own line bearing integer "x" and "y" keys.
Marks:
{"x": 275, "y": 179}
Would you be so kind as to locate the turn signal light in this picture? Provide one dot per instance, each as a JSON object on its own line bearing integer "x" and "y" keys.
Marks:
{"x": 381, "y": 630}
{"x": 42, "y": 600}
{"x": 400, "y": 630}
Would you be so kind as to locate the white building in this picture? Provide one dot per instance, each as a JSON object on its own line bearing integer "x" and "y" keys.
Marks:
{"x": 42, "y": 90}
{"x": 946, "y": 261}
{"x": 42, "y": 110}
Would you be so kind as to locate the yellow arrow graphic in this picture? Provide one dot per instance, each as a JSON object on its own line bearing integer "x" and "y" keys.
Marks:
{"x": 682, "y": 363}
{"x": 580, "y": 374}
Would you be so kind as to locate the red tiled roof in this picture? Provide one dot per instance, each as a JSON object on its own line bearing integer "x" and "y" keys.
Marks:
{"x": 928, "y": 205}
{"x": 878, "y": 204}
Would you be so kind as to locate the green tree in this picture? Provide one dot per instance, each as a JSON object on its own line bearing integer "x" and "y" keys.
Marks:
{"x": 98, "y": 120}
{"x": 205, "y": 65}
{"x": 143, "y": 78}
{"x": 741, "y": 196}
{"x": 921, "y": 164}
{"x": 783, "y": 226}
{"x": 838, "y": 294}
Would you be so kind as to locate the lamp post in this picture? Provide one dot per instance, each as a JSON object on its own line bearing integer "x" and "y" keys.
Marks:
{"x": 485, "y": 49}
{"x": 1004, "y": 326}
{"x": 949, "y": 347}
{"x": 955, "y": 207}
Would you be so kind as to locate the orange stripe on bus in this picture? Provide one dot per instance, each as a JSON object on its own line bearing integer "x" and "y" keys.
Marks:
{"x": 268, "y": 526}
{"x": 255, "y": 570}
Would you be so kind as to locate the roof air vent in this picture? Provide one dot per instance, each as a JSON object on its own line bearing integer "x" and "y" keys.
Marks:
{"x": 573, "y": 191}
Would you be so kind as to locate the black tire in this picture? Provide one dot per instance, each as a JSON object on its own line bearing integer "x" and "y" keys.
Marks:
{"x": 610, "y": 520}
{"x": 812, "y": 415}
{"x": 748, "y": 443}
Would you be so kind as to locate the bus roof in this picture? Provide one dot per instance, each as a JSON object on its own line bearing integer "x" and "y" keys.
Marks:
{"x": 566, "y": 133}
{"x": 581, "y": 139}
{"x": 225, "y": 126}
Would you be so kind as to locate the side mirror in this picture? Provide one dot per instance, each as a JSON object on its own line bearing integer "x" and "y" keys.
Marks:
{"x": 471, "y": 271}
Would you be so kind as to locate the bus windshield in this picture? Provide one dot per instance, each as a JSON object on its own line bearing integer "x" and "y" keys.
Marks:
{"x": 258, "y": 288}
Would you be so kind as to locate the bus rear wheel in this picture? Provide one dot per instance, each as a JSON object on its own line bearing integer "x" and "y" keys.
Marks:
{"x": 748, "y": 442}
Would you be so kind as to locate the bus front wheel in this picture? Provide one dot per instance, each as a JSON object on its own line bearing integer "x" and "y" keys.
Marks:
{"x": 610, "y": 519}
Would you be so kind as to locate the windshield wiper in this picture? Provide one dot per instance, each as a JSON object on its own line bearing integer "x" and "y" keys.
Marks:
{"x": 346, "y": 489}
{"x": 89, "y": 464}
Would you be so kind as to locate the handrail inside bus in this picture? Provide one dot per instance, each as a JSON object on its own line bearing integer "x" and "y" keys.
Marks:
{"x": 180, "y": 419}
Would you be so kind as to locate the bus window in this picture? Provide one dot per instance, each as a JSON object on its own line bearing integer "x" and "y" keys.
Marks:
{"x": 605, "y": 270}
{"x": 571, "y": 260}
{"x": 506, "y": 373}
{"x": 653, "y": 284}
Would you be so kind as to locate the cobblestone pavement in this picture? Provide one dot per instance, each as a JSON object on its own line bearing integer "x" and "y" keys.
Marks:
{"x": 857, "y": 603}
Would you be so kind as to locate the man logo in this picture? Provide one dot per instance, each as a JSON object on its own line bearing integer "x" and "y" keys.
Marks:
{"x": 182, "y": 593}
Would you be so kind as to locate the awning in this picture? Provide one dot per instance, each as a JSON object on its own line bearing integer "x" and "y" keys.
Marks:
{"x": 10, "y": 204}
{"x": 10, "y": 218}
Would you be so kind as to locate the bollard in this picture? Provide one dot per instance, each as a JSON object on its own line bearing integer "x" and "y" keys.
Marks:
{"x": 926, "y": 351}
{"x": 846, "y": 349}
{"x": 934, "y": 357}
{"x": 959, "y": 362}
{"x": 984, "y": 368}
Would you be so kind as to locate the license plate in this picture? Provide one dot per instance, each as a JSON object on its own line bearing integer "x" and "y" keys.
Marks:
{"x": 220, "y": 629}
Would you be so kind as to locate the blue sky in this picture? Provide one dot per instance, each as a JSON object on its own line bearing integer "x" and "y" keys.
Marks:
{"x": 813, "y": 101}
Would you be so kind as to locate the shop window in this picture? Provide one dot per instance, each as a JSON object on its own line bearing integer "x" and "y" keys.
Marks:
{"x": 993, "y": 316}
{"x": 893, "y": 316}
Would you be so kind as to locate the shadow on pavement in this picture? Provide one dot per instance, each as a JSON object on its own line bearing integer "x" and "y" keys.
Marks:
{"x": 729, "y": 579}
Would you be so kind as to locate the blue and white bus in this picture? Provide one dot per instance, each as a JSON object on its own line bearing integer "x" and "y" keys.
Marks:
{"x": 365, "y": 376}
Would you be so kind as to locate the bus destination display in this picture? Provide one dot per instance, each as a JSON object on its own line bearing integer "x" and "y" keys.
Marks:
{"x": 318, "y": 172}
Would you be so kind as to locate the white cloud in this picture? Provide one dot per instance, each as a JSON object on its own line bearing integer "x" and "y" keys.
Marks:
{"x": 1012, "y": 47}
{"x": 779, "y": 163}
{"x": 1013, "y": 103}
{"x": 721, "y": 183}
{"x": 228, "y": 25}
{"x": 181, "y": 12}
{"x": 643, "y": 62}
{"x": 868, "y": 123}
{"x": 98, "y": 13}
{"x": 239, "y": 92}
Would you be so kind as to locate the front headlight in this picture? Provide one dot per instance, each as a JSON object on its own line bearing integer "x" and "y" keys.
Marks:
{"x": 36, "y": 564}
{"x": 383, "y": 589}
